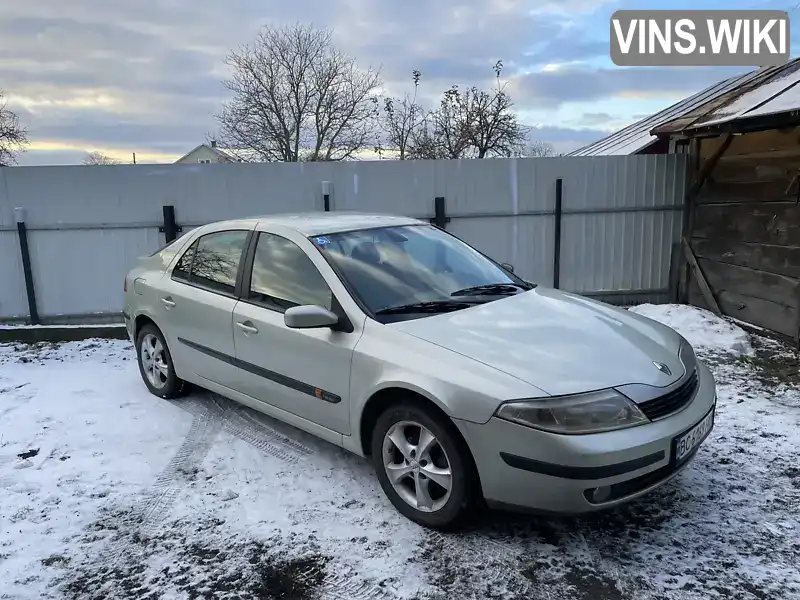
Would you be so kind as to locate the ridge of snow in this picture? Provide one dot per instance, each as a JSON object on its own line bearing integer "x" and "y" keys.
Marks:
{"x": 700, "y": 327}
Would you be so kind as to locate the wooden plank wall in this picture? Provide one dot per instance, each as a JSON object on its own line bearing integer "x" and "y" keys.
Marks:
{"x": 746, "y": 231}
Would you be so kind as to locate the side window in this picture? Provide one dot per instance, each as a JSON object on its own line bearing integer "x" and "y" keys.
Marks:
{"x": 184, "y": 266}
{"x": 212, "y": 261}
{"x": 216, "y": 260}
{"x": 284, "y": 276}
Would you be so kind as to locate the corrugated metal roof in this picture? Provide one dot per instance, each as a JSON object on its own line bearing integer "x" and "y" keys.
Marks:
{"x": 637, "y": 137}
{"x": 775, "y": 90}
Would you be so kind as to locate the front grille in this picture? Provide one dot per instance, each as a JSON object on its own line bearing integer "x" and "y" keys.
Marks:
{"x": 672, "y": 402}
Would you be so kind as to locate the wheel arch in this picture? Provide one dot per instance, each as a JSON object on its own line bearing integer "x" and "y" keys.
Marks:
{"x": 393, "y": 394}
{"x": 140, "y": 321}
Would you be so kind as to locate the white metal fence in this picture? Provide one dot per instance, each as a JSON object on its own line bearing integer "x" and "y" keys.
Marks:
{"x": 614, "y": 225}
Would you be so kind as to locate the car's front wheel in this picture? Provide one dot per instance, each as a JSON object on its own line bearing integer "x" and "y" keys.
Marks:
{"x": 155, "y": 364}
{"x": 423, "y": 466}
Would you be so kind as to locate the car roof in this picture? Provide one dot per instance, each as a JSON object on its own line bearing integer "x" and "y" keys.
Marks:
{"x": 317, "y": 223}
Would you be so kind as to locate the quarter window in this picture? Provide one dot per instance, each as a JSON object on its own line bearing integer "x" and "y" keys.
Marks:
{"x": 184, "y": 266}
{"x": 213, "y": 261}
{"x": 284, "y": 276}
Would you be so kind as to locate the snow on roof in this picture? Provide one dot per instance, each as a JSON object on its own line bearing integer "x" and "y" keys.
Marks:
{"x": 637, "y": 137}
{"x": 772, "y": 90}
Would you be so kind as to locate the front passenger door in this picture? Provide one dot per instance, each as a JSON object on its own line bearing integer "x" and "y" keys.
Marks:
{"x": 305, "y": 372}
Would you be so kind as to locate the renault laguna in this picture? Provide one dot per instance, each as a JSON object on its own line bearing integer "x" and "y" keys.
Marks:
{"x": 463, "y": 383}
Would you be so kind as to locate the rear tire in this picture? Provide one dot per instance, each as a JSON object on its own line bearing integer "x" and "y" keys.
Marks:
{"x": 433, "y": 478}
{"x": 155, "y": 364}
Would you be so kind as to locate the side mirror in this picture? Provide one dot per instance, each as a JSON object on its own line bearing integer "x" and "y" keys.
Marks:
{"x": 508, "y": 267}
{"x": 309, "y": 317}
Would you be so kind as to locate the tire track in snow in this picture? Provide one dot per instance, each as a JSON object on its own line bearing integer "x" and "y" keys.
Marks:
{"x": 245, "y": 415}
{"x": 202, "y": 434}
{"x": 244, "y": 425}
{"x": 238, "y": 422}
{"x": 340, "y": 586}
{"x": 497, "y": 558}
{"x": 166, "y": 488}
{"x": 476, "y": 544}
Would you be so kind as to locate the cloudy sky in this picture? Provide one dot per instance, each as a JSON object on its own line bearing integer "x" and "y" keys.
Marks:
{"x": 121, "y": 76}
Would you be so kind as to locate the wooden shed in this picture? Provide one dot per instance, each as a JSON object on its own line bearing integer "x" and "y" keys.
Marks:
{"x": 742, "y": 226}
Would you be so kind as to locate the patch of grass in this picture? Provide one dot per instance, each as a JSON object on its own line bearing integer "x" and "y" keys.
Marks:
{"x": 772, "y": 363}
{"x": 774, "y": 368}
{"x": 289, "y": 580}
{"x": 55, "y": 560}
{"x": 588, "y": 584}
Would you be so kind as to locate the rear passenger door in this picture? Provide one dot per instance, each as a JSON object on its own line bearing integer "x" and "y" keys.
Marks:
{"x": 197, "y": 303}
{"x": 305, "y": 372}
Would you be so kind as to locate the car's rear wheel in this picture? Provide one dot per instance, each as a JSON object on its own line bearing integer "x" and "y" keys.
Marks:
{"x": 155, "y": 364}
{"x": 424, "y": 466}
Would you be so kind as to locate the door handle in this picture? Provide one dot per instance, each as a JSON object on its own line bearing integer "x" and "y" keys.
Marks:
{"x": 168, "y": 303}
{"x": 247, "y": 327}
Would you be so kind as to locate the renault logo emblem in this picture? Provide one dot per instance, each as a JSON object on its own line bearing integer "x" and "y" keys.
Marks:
{"x": 663, "y": 368}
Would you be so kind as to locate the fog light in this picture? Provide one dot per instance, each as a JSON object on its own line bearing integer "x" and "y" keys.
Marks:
{"x": 601, "y": 494}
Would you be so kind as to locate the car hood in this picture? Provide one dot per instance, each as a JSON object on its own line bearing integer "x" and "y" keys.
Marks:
{"x": 558, "y": 342}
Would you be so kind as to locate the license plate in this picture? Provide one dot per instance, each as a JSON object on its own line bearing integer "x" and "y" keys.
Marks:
{"x": 686, "y": 443}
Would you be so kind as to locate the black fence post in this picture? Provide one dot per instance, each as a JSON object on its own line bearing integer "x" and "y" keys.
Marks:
{"x": 326, "y": 196}
{"x": 22, "y": 231}
{"x": 170, "y": 227}
{"x": 557, "y": 235}
{"x": 440, "y": 218}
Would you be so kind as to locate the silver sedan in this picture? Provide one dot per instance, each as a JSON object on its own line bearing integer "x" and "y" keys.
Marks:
{"x": 462, "y": 382}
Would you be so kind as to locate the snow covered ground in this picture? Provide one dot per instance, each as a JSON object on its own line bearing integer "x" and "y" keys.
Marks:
{"x": 108, "y": 492}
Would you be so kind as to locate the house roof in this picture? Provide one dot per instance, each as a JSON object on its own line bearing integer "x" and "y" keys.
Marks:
{"x": 638, "y": 136}
{"x": 771, "y": 92}
{"x": 219, "y": 151}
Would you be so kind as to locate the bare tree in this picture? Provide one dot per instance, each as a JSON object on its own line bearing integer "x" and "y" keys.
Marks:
{"x": 13, "y": 136}
{"x": 98, "y": 158}
{"x": 471, "y": 123}
{"x": 538, "y": 149}
{"x": 297, "y": 97}
{"x": 492, "y": 128}
{"x": 425, "y": 143}
{"x": 442, "y": 133}
{"x": 401, "y": 120}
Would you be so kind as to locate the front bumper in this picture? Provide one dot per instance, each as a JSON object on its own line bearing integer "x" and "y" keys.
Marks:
{"x": 524, "y": 468}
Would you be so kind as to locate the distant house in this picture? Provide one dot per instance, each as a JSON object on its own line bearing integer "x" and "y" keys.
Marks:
{"x": 207, "y": 154}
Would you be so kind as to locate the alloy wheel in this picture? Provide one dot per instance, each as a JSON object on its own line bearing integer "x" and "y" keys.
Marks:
{"x": 417, "y": 466}
{"x": 154, "y": 361}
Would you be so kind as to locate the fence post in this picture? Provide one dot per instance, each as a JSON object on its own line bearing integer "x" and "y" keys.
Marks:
{"x": 440, "y": 218}
{"x": 557, "y": 235}
{"x": 170, "y": 228}
{"x": 676, "y": 261}
{"x": 326, "y": 196}
{"x": 22, "y": 231}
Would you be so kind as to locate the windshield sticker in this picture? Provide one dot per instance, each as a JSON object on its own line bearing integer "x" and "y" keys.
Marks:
{"x": 322, "y": 240}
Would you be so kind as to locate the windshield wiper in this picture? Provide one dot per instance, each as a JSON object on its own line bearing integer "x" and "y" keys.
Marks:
{"x": 434, "y": 306}
{"x": 492, "y": 289}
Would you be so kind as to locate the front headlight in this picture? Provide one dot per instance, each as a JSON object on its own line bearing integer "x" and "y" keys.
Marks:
{"x": 593, "y": 412}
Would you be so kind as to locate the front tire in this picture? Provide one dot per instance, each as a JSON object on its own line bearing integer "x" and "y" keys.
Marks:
{"x": 155, "y": 364}
{"x": 424, "y": 466}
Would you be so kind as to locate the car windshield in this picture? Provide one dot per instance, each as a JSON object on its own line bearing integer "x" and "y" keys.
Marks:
{"x": 415, "y": 270}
